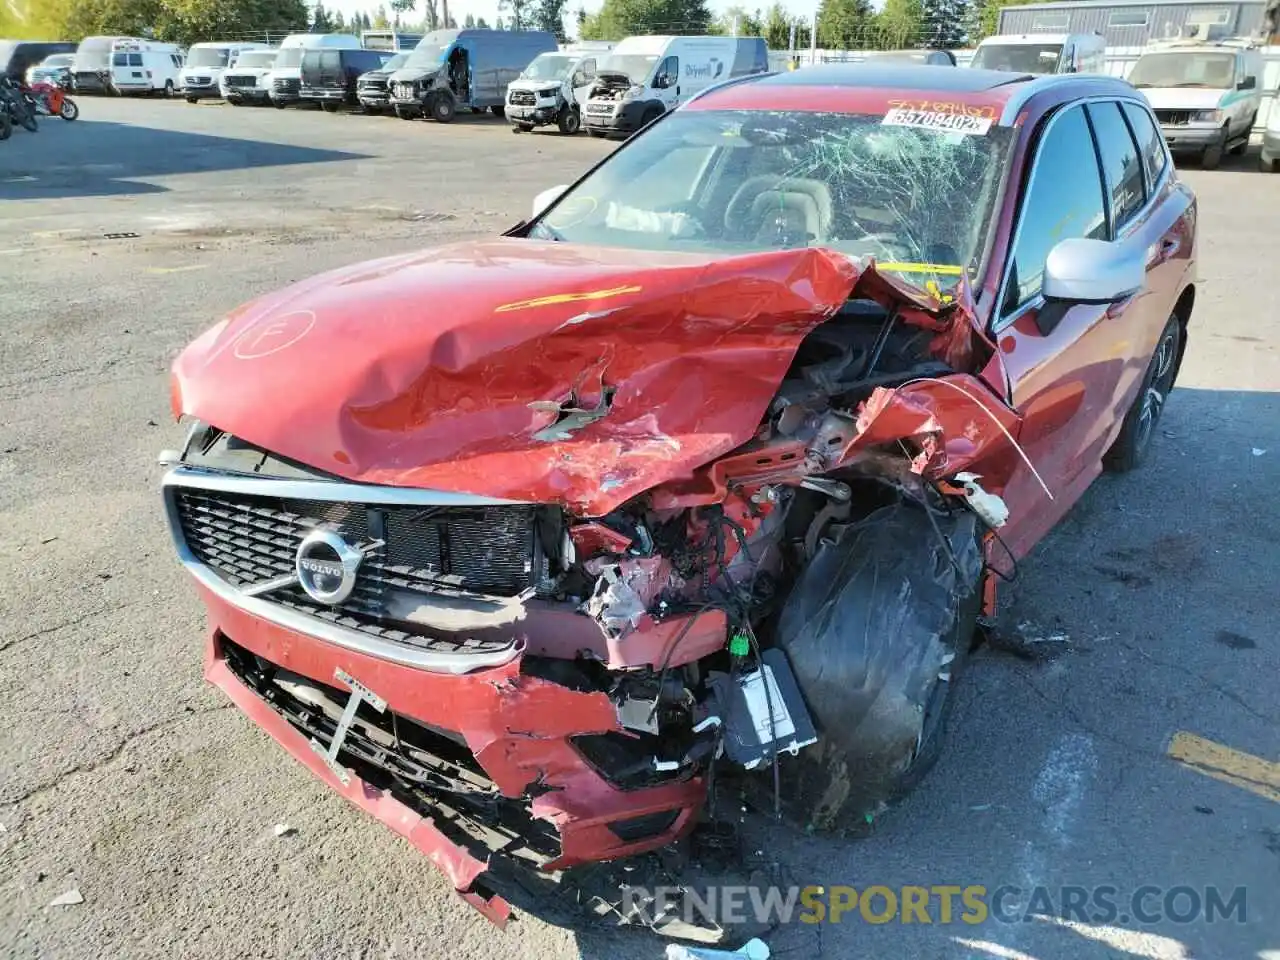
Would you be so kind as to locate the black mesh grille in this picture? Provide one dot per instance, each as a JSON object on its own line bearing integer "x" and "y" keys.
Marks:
{"x": 1174, "y": 117}
{"x": 373, "y": 83}
{"x": 248, "y": 539}
{"x": 287, "y": 85}
{"x": 523, "y": 98}
{"x": 241, "y": 81}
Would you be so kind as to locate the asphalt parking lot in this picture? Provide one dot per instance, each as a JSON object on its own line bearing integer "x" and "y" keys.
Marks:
{"x": 122, "y": 776}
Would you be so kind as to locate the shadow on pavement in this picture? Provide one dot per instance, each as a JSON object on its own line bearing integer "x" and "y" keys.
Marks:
{"x": 89, "y": 158}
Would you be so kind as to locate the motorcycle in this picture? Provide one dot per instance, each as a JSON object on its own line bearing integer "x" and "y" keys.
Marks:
{"x": 51, "y": 100}
{"x": 17, "y": 107}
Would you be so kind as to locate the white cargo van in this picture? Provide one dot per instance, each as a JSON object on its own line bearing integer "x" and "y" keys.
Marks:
{"x": 143, "y": 66}
{"x": 204, "y": 65}
{"x": 553, "y": 87}
{"x": 285, "y": 80}
{"x": 1206, "y": 94}
{"x": 91, "y": 68}
{"x": 248, "y": 78}
{"x": 644, "y": 77}
{"x": 1043, "y": 53}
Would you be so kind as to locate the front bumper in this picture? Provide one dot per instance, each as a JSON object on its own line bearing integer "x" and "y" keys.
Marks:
{"x": 618, "y": 117}
{"x": 245, "y": 94}
{"x": 538, "y": 114}
{"x": 1271, "y": 145}
{"x": 1187, "y": 138}
{"x": 205, "y": 91}
{"x": 516, "y": 726}
{"x": 322, "y": 95}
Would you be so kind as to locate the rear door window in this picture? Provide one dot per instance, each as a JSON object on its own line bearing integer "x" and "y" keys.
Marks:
{"x": 119, "y": 59}
{"x": 1121, "y": 167}
{"x": 135, "y": 59}
{"x": 1150, "y": 140}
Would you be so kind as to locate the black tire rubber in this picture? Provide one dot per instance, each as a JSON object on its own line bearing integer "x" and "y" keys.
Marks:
{"x": 1130, "y": 448}
{"x": 522, "y": 128}
{"x": 402, "y": 113}
{"x": 650, "y": 115}
{"x": 6, "y": 125}
{"x": 442, "y": 108}
{"x": 1211, "y": 159}
{"x": 569, "y": 121}
{"x": 328, "y": 107}
{"x": 1268, "y": 166}
{"x": 70, "y": 110}
{"x": 498, "y": 111}
{"x": 29, "y": 121}
{"x": 278, "y": 104}
{"x": 598, "y": 134}
{"x": 169, "y": 90}
{"x": 192, "y": 100}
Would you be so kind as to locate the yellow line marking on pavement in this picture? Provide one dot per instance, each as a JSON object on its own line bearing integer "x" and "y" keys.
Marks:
{"x": 1230, "y": 766}
{"x": 192, "y": 266}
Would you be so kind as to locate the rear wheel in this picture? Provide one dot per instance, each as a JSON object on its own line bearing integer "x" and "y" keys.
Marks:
{"x": 569, "y": 121}
{"x": 69, "y": 110}
{"x": 1131, "y": 446}
{"x": 1212, "y": 156}
{"x": 28, "y": 120}
{"x": 168, "y": 90}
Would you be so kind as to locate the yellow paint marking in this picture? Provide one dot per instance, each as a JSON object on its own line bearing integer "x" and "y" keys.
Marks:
{"x": 566, "y": 298}
{"x": 186, "y": 269}
{"x": 1230, "y": 766}
{"x": 942, "y": 269}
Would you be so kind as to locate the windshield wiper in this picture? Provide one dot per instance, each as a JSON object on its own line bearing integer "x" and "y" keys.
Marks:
{"x": 1193, "y": 84}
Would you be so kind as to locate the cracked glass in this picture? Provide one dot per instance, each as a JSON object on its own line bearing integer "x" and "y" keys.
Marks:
{"x": 918, "y": 197}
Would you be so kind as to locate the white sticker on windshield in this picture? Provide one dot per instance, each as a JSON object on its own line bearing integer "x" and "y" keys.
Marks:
{"x": 936, "y": 120}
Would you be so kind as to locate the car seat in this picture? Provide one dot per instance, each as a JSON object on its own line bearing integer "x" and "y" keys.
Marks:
{"x": 767, "y": 204}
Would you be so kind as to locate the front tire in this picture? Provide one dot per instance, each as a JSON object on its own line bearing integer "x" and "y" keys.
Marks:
{"x": 403, "y": 113}
{"x": 1130, "y": 448}
{"x": 1268, "y": 166}
{"x": 1211, "y": 159}
{"x": 498, "y": 111}
{"x": 569, "y": 121}
{"x": 279, "y": 104}
{"x": 328, "y": 107}
{"x": 69, "y": 109}
{"x": 192, "y": 100}
{"x": 442, "y": 108}
{"x": 522, "y": 128}
{"x": 169, "y": 91}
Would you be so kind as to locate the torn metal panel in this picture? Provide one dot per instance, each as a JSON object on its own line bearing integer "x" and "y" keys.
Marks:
{"x": 481, "y": 389}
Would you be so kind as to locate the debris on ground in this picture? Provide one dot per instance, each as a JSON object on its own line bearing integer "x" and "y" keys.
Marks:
{"x": 68, "y": 899}
{"x": 283, "y": 830}
{"x": 1027, "y": 640}
{"x": 752, "y": 950}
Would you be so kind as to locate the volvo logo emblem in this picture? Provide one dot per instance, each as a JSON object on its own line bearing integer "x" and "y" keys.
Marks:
{"x": 326, "y": 566}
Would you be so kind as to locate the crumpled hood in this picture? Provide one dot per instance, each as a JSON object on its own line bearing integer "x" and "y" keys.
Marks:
{"x": 1183, "y": 98}
{"x": 452, "y": 369}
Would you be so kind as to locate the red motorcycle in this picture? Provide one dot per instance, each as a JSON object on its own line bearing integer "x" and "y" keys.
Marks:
{"x": 52, "y": 101}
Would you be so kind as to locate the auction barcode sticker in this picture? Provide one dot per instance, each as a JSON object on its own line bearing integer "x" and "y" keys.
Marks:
{"x": 937, "y": 120}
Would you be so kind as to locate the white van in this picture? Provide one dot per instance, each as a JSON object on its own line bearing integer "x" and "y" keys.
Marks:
{"x": 247, "y": 78}
{"x": 1206, "y": 94}
{"x": 285, "y": 79}
{"x": 1043, "y": 53}
{"x": 644, "y": 77}
{"x": 143, "y": 66}
{"x": 1269, "y": 160}
{"x": 553, "y": 87}
{"x": 91, "y": 68}
{"x": 204, "y": 65}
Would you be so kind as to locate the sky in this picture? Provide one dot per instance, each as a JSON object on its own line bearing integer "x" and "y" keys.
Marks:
{"x": 488, "y": 9}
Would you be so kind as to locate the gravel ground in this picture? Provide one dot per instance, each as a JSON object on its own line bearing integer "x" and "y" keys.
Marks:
{"x": 124, "y": 777}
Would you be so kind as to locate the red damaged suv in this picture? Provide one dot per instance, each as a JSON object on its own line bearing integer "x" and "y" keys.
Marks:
{"x": 706, "y": 470}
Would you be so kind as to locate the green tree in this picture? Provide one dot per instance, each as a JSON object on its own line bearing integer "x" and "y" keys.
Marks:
{"x": 519, "y": 10}
{"x": 898, "y": 25}
{"x": 777, "y": 27}
{"x": 482, "y": 24}
{"x": 549, "y": 15}
{"x": 380, "y": 19}
{"x": 622, "y": 18}
{"x": 320, "y": 20}
{"x": 845, "y": 24}
{"x": 944, "y": 23}
{"x": 468, "y": 22}
{"x": 748, "y": 24}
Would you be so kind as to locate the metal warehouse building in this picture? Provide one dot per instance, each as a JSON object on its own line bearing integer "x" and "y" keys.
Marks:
{"x": 1133, "y": 23}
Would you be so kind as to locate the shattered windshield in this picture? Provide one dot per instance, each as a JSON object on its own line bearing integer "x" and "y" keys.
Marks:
{"x": 1019, "y": 57}
{"x": 636, "y": 68}
{"x": 548, "y": 66}
{"x": 1212, "y": 70}
{"x": 913, "y": 189}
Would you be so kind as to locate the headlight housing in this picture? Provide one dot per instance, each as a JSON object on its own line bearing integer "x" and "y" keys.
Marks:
{"x": 548, "y": 91}
{"x": 1206, "y": 116}
{"x": 633, "y": 91}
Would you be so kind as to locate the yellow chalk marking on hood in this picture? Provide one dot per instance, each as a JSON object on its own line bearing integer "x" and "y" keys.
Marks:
{"x": 566, "y": 298}
{"x": 941, "y": 269}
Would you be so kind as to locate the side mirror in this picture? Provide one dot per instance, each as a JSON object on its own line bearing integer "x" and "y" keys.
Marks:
{"x": 546, "y": 198}
{"x": 1248, "y": 83}
{"x": 1092, "y": 271}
